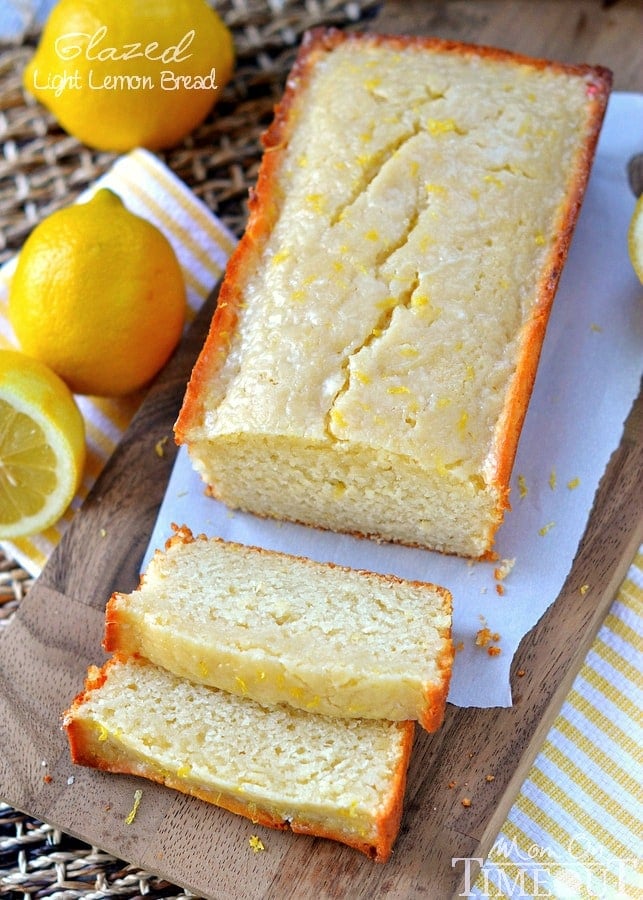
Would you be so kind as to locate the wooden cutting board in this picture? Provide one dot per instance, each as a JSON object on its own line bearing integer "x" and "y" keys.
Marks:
{"x": 57, "y": 632}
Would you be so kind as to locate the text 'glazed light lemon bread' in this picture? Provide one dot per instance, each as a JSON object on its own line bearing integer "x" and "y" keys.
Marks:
{"x": 338, "y": 778}
{"x": 283, "y": 629}
{"x": 379, "y": 327}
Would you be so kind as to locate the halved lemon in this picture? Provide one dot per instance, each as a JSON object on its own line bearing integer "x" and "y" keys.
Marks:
{"x": 42, "y": 446}
{"x": 635, "y": 238}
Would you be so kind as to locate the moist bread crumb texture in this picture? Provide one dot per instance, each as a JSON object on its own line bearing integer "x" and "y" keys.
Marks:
{"x": 339, "y": 778}
{"x": 379, "y": 327}
{"x": 282, "y": 629}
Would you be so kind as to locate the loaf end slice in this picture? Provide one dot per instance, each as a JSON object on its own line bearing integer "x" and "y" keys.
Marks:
{"x": 337, "y": 779}
{"x": 283, "y": 629}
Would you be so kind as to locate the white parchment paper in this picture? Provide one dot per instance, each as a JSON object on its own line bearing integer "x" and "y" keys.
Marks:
{"x": 588, "y": 378}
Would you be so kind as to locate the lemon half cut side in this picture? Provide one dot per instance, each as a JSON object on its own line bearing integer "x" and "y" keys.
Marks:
{"x": 42, "y": 446}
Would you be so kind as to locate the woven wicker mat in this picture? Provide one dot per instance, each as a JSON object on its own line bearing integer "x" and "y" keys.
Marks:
{"x": 42, "y": 169}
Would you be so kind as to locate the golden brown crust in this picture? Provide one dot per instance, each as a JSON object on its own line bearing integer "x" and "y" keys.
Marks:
{"x": 320, "y": 40}
{"x": 436, "y": 694}
{"x": 599, "y": 82}
{"x": 88, "y": 749}
{"x": 212, "y": 355}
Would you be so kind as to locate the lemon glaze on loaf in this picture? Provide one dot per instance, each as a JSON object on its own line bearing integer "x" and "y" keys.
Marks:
{"x": 378, "y": 330}
{"x": 342, "y": 779}
{"x": 281, "y": 629}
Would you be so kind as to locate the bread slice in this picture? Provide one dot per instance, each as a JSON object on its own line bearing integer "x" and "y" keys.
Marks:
{"x": 283, "y": 629}
{"x": 335, "y": 778}
{"x": 379, "y": 327}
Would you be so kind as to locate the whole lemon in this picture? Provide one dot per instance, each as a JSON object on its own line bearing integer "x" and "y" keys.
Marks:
{"x": 120, "y": 74}
{"x": 98, "y": 295}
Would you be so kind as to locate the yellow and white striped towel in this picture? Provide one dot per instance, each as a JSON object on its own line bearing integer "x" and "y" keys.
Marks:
{"x": 202, "y": 245}
{"x": 576, "y": 829}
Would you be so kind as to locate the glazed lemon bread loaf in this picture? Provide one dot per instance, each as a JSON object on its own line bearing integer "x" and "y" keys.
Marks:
{"x": 282, "y": 629}
{"x": 379, "y": 327}
{"x": 338, "y": 778}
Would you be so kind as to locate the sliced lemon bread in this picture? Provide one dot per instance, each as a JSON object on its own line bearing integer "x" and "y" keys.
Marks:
{"x": 337, "y": 778}
{"x": 283, "y": 629}
{"x": 379, "y": 327}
